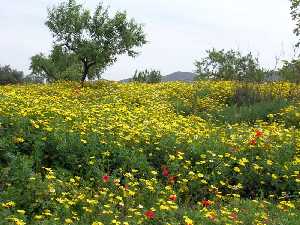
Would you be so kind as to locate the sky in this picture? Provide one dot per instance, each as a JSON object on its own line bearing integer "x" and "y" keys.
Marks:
{"x": 178, "y": 32}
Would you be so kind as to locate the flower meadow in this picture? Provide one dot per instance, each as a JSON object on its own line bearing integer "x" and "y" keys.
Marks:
{"x": 169, "y": 153}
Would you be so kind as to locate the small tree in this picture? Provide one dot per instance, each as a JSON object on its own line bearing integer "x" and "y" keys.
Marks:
{"x": 146, "y": 76}
{"x": 95, "y": 39}
{"x": 290, "y": 71}
{"x": 10, "y": 76}
{"x": 230, "y": 65}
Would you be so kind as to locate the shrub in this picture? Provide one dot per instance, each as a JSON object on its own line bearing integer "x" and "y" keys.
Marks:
{"x": 230, "y": 65}
{"x": 290, "y": 71}
{"x": 147, "y": 76}
{"x": 10, "y": 76}
{"x": 247, "y": 95}
{"x": 250, "y": 113}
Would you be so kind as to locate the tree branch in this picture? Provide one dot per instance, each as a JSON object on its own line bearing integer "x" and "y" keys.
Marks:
{"x": 91, "y": 64}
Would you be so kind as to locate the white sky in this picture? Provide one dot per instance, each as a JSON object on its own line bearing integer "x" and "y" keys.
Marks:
{"x": 178, "y": 31}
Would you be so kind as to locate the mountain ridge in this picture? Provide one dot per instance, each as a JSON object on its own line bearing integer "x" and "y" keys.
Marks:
{"x": 176, "y": 76}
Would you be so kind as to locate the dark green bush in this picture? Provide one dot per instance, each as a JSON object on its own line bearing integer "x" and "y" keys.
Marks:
{"x": 250, "y": 113}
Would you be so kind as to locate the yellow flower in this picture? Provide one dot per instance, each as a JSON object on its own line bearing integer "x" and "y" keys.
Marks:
{"x": 9, "y": 204}
{"x": 19, "y": 140}
{"x": 68, "y": 221}
{"x": 188, "y": 221}
{"x": 16, "y": 221}
{"x": 164, "y": 207}
{"x": 38, "y": 217}
{"x": 97, "y": 223}
{"x": 47, "y": 212}
{"x": 83, "y": 141}
{"x": 21, "y": 211}
{"x": 236, "y": 169}
{"x": 115, "y": 222}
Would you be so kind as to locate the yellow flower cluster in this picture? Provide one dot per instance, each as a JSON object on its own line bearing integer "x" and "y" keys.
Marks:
{"x": 180, "y": 169}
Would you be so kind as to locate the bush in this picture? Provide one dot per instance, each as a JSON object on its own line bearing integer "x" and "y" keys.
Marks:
{"x": 250, "y": 113}
{"x": 146, "y": 76}
{"x": 247, "y": 95}
{"x": 10, "y": 76}
{"x": 290, "y": 71}
{"x": 230, "y": 65}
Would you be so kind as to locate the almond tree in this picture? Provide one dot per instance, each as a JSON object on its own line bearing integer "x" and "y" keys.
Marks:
{"x": 97, "y": 39}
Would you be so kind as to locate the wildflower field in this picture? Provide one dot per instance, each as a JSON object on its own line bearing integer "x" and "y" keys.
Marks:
{"x": 169, "y": 153}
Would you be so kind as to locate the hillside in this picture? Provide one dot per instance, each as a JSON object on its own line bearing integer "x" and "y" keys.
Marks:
{"x": 179, "y": 76}
{"x": 175, "y": 153}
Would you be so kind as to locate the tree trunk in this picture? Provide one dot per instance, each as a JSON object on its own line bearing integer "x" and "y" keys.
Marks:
{"x": 84, "y": 72}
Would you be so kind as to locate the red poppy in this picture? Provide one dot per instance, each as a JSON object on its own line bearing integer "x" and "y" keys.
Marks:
{"x": 165, "y": 172}
{"x": 206, "y": 203}
{"x": 253, "y": 142}
{"x": 258, "y": 133}
{"x": 233, "y": 216}
{"x": 173, "y": 198}
{"x": 149, "y": 214}
{"x": 172, "y": 179}
{"x": 105, "y": 178}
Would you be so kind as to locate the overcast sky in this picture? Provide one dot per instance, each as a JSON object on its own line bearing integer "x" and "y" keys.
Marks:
{"x": 178, "y": 31}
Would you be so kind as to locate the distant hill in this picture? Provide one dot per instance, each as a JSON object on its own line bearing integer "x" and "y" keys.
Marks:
{"x": 125, "y": 80}
{"x": 177, "y": 76}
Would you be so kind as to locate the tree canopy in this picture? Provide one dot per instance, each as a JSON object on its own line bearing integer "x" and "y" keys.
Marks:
{"x": 10, "y": 76}
{"x": 59, "y": 65}
{"x": 295, "y": 13}
{"x": 229, "y": 65}
{"x": 96, "y": 39}
{"x": 290, "y": 70}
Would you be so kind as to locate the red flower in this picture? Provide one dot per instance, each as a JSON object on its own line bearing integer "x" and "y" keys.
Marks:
{"x": 165, "y": 172}
{"x": 149, "y": 214}
{"x": 105, "y": 178}
{"x": 172, "y": 179}
{"x": 173, "y": 198}
{"x": 233, "y": 216}
{"x": 126, "y": 186}
{"x": 253, "y": 142}
{"x": 258, "y": 133}
{"x": 212, "y": 218}
{"x": 206, "y": 203}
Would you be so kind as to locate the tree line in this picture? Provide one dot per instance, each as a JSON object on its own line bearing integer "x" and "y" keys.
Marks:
{"x": 86, "y": 43}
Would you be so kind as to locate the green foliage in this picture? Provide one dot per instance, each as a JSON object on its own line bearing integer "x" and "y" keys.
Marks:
{"x": 250, "y": 113}
{"x": 10, "y": 76}
{"x": 230, "y": 65}
{"x": 95, "y": 39}
{"x": 147, "y": 76}
{"x": 249, "y": 104}
{"x": 295, "y": 13}
{"x": 54, "y": 159}
{"x": 33, "y": 79}
{"x": 290, "y": 71}
{"x": 248, "y": 95}
{"x": 59, "y": 65}
{"x": 246, "y": 104}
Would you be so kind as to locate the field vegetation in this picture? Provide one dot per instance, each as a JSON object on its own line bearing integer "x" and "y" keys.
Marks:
{"x": 209, "y": 152}
{"x": 224, "y": 149}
